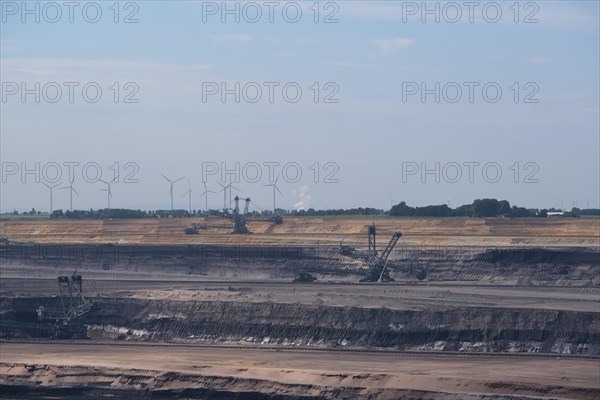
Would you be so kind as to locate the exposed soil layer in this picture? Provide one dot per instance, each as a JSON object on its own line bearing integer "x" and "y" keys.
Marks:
{"x": 311, "y": 230}
{"x": 177, "y": 386}
{"x": 577, "y": 266}
{"x": 72, "y": 370}
{"x": 465, "y": 329}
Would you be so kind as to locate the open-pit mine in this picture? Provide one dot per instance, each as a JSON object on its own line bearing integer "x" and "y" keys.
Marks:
{"x": 311, "y": 308}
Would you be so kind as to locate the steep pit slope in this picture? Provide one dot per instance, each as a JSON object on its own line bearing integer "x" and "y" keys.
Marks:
{"x": 443, "y": 328}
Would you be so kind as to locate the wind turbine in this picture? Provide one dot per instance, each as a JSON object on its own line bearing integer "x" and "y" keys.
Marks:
{"x": 51, "y": 191}
{"x": 71, "y": 190}
{"x": 171, "y": 190}
{"x": 107, "y": 190}
{"x": 205, "y": 193}
{"x": 189, "y": 193}
{"x": 224, "y": 190}
{"x": 274, "y": 184}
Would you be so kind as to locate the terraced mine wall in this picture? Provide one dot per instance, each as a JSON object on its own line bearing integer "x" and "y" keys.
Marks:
{"x": 213, "y": 260}
{"x": 466, "y": 329}
{"x": 523, "y": 265}
{"x": 146, "y": 385}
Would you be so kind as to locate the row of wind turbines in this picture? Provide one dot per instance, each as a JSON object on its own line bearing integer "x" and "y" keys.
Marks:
{"x": 224, "y": 189}
{"x": 73, "y": 190}
{"x": 189, "y": 192}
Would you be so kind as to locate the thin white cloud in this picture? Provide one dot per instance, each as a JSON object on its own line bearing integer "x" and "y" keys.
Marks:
{"x": 53, "y": 66}
{"x": 390, "y": 46}
{"x": 564, "y": 15}
{"x": 371, "y": 10}
{"x": 343, "y": 64}
{"x": 299, "y": 40}
{"x": 376, "y": 63}
{"x": 7, "y": 46}
{"x": 234, "y": 37}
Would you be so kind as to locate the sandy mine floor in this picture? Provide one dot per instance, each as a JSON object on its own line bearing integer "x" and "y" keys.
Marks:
{"x": 444, "y": 374}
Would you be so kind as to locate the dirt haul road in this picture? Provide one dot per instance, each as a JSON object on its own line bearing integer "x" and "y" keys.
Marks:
{"x": 295, "y": 374}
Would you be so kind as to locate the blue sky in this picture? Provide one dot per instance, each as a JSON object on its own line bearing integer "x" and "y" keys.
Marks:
{"x": 371, "y": 134}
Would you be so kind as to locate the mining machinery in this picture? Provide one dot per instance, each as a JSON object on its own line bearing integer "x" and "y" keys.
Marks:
{"x": 239, "y": 218}
{"x": 73, "y": 303}
{"x": 372, "y": 242}
{"x": 380, "y": 263}
{"x": 376, "y": 261}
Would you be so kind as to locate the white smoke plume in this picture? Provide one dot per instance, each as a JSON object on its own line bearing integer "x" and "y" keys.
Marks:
{"x": 304, "y": 196}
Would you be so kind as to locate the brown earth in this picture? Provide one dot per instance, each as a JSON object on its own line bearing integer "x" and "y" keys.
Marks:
{"x": 296, "y": 374}
{"x": 511, "y": 287}
{"x": 307, "y": 230}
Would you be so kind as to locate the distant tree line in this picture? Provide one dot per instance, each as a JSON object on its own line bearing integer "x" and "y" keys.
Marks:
{"x": 128, "y": 213}
{"x": 350, "y": 211}
{"x": 32, "y": 212}
{"x": 479, "y": 208}
{"x": 482, "y": 208}
{"x": 118, "y": 213}
{"x": 586, "y": 211}
{"x": 98, "y": 214}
